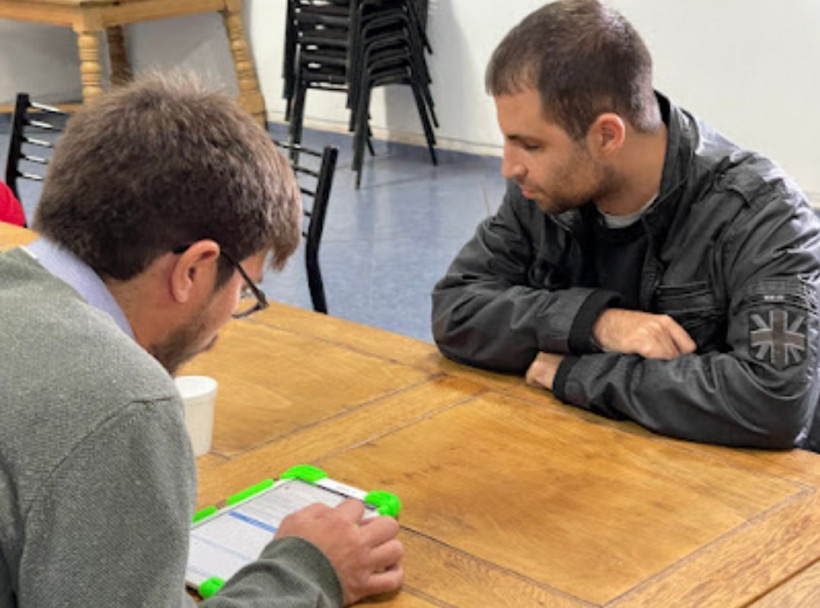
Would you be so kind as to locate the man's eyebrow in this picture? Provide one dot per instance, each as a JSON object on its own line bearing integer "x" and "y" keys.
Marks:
{"x": 518, "y": 138}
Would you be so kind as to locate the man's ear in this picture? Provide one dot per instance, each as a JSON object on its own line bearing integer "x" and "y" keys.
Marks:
{"x": 607, "y": 134}
{"x": 194, "y": 271}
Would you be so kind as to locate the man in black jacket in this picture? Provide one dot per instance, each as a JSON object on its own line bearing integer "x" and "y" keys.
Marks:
{"x": 641, "y": 266}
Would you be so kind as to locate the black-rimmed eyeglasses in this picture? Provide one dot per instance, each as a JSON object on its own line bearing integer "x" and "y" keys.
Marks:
{"x": 252, "y": 299}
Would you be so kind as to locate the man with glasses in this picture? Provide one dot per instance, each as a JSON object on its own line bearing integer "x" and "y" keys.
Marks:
{"x": 162, "y": 203}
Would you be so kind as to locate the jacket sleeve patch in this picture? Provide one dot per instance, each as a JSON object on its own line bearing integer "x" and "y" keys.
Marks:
{"x": 778, "y": 337}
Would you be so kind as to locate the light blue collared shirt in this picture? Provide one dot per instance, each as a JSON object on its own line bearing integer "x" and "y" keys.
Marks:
{"x": 78, "y": 275}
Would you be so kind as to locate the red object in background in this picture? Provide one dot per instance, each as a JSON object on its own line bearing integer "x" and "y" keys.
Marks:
{"x": 11, "y": 210}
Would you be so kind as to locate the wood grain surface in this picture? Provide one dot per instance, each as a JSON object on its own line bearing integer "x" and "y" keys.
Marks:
{"x": 510, "y": 497}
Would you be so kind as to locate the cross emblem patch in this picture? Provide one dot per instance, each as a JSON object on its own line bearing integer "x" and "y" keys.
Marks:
{"x": 777, "y": 341}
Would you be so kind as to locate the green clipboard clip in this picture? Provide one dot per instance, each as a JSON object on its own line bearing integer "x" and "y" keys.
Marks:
{"x": 385, "y": 502}
{"x": 304, "y": 472}
{"x": 209, "y": 587}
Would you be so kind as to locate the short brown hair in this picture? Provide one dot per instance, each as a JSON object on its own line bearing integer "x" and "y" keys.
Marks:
{"x": 584, "y": 59}
{"x": 162, "y": 163}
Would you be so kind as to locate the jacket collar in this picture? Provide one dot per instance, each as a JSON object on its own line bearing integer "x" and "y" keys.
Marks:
{"x": 682, "y": 135}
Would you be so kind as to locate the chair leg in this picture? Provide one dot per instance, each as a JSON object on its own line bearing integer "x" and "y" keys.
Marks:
{"x": 425, "y": 123}
{"x": 362, "y": 130}
{"x": 315, "y": 283}
{"x": 296, "y": 120}
{"x": 428, "y": 96}
{"x": 369, "y": 140}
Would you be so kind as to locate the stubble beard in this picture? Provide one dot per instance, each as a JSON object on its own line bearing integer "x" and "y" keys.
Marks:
{"x": 606, "y": 182}
{"x": 180, "y": 347}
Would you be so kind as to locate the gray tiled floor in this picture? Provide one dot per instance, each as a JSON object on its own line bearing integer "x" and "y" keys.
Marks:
{"x": 387, "y": 243}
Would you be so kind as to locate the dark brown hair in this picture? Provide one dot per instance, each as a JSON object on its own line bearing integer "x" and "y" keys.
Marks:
{"x": 584, "y": 59}
{"x": 162, "y": 163}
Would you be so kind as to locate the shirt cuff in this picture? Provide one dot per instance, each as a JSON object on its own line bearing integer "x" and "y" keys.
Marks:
{"x": 559, "y": 383}
{"x": 580, "y": 334}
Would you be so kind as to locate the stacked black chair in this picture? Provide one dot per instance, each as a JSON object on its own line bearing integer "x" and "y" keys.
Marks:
{"x": 314, "y": 171}
{"x": 35, "y": 128}
{"x": 316, "y": 43}
{"x": 354, "y": 46}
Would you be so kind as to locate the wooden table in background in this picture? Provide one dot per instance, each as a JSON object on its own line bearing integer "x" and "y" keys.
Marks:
{"x": 12, "y": 236}
{"x": 510, "y": 498}
{"x": 88, "y": 18}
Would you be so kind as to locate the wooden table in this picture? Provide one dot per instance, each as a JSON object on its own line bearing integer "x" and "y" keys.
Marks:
{"x": 510, "y": 498}
{"x": 88, "y": 18}
{"x": 13, "y": 236}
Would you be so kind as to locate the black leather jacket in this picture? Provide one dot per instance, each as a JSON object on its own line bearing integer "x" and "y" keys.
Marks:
{"x": 734, "y": 257}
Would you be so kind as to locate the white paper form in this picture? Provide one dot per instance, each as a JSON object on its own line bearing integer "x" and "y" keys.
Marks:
{"x": 222, "y": 544}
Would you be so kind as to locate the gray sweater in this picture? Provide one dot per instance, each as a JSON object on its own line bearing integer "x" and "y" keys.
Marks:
{"x": 97, "y": 476}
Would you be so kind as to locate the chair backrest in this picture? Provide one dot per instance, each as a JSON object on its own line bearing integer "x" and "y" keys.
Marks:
{"x": 35, "y": 127}
{"x": 315, "y": 183}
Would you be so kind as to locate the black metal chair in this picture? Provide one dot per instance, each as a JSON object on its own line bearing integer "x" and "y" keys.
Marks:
{"x": 348, "y": 46}
{"x": 388, "y": 58}
{"x": 314, "y": 182}
{"x": 35, "y": 128}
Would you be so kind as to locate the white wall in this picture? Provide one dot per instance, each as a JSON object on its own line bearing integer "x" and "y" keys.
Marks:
{"x": 39, "y": 59}
{"x": 750, "y": 67}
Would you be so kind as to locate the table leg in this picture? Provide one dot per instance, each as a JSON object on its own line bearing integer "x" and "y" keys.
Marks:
{"x": 250, "y": 97}
{"x": 88, "y": 43}
{"x": 120, "y": 68}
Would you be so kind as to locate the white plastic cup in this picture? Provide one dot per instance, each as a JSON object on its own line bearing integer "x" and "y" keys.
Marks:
{"x": 198, "y": 395}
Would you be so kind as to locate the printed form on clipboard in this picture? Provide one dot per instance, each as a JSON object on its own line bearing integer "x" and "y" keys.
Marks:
{"x": 223, "y": 540}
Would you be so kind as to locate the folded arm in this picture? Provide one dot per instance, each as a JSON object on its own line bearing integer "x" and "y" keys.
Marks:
{"x": 760, "y": 388}
{"x": 499, "y": 305}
